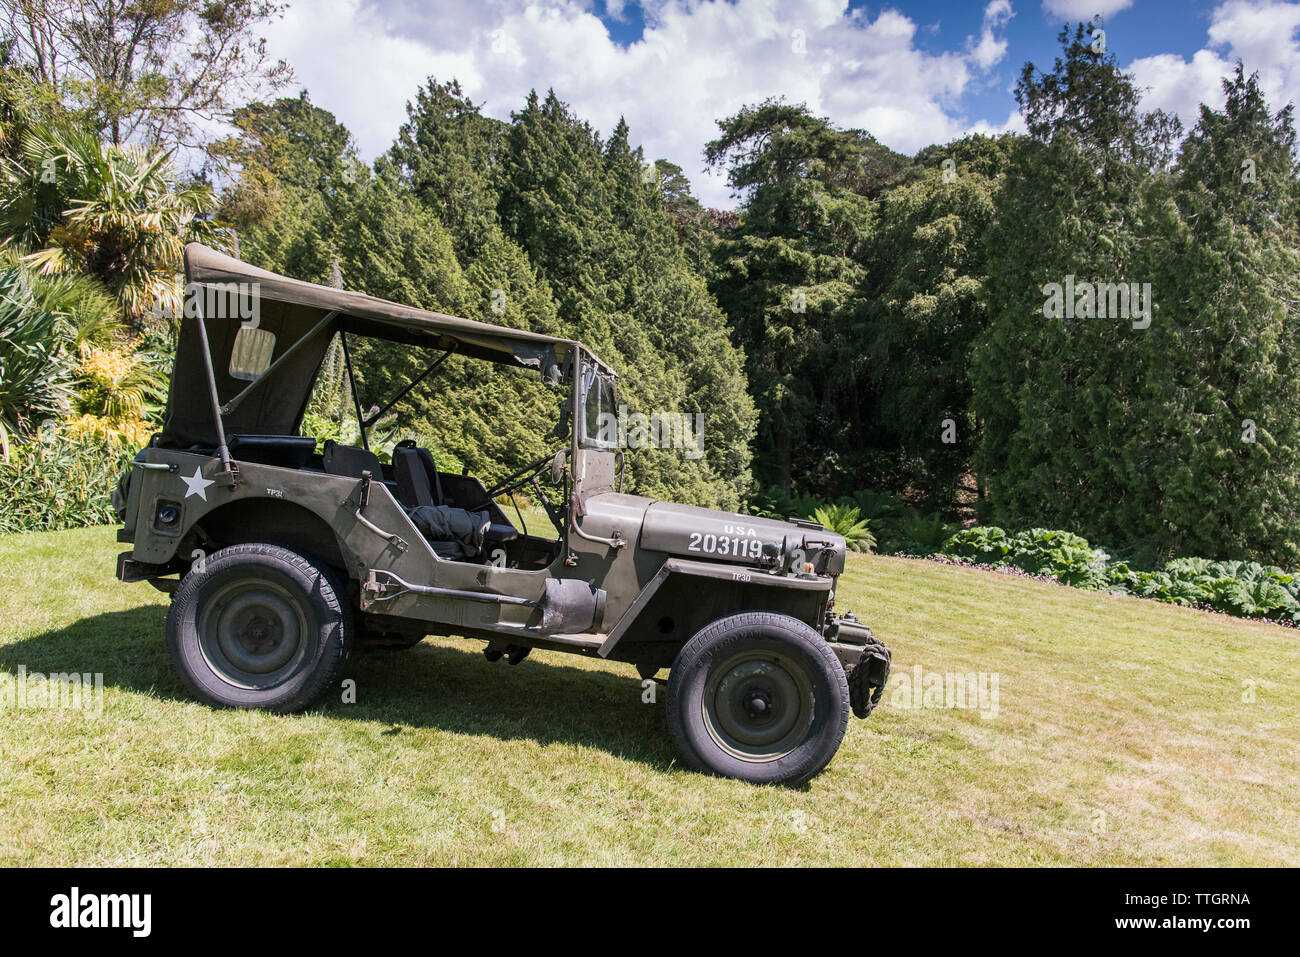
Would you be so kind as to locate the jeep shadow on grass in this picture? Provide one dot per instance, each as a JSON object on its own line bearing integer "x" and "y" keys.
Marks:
{"x": 282, "y": 561}
{"x": 543, "y": 702}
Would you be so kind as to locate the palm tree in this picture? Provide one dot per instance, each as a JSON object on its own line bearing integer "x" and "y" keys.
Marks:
{"x": 46, "y": 322}
{"x": 35, "y": 364}
{"x": 115, "y": 212}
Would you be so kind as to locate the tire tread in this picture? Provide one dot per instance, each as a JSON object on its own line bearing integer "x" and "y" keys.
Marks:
{"x": 333, "y": 657}
{"x": 704, "y": 642}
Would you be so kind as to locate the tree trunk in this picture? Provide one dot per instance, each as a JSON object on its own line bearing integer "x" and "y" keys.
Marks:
{"x": 783, "y": 458}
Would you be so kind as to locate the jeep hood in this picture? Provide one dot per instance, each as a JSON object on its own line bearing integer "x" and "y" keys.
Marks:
{"x": 709, "y": 535}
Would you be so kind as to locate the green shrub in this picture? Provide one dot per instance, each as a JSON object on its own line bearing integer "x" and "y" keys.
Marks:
{"x": 1245, "y": 589}
{"x": 35, "y": 362}
{"x": 1038, "y": 549}
{"x": 1252, "y": 572}
{"x": 986, "y": 545}
{"x": 764, "y": 503}
{"x": 1268, "y": 599}
{"x": 1119, "y": 577}
{"x": 773, "y": 503}
{"x": 1226, "y": 569}
{"x": 63, "y": 482}
{"x": 1081, "y": 567}
{"x": 1189, "y": 569}
{"x": 875, "y": 507}
{"x": 929, "y": 531}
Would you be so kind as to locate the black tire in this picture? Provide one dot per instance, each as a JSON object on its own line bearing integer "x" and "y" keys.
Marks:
{"x": 760, "y": 697}
{"x": 259, "y": 626}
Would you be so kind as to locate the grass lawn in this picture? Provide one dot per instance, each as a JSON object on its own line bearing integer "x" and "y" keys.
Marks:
{"x": 1127, "y": 732}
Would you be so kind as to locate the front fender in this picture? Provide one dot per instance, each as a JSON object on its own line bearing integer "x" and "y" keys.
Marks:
{"x": 685, "y": 568}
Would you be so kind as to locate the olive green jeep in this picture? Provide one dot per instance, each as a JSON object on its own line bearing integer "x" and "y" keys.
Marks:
{"x": 282, "y": 559}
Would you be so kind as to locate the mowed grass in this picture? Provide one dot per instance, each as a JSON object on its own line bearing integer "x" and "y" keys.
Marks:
{"x": 1126, "y": 732}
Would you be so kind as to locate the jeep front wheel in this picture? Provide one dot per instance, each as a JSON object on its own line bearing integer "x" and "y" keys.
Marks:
{"x": 760, "y": 697}
{"x": 258, "y": 626}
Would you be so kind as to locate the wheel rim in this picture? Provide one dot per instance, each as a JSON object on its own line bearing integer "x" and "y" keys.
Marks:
{"x": 758, "y": 706}
{"x": 253, "y": 633}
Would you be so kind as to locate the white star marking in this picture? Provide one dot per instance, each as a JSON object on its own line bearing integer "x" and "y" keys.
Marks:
{"x": 196, "y": 484}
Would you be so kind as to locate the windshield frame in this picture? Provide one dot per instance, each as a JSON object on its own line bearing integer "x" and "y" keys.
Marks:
{"x": 594, "y": 381}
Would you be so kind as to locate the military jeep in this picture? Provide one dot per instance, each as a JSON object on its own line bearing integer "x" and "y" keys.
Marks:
{"x": 283, "y": 558}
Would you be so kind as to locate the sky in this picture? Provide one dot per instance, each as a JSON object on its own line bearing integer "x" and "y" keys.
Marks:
{"x": 912, "y": 73}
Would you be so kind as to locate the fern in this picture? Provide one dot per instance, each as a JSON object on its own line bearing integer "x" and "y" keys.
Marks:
{"x": 844, "y": 520}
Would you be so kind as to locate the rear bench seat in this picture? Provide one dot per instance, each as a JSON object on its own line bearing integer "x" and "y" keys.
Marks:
{"x": 281, "y": 451}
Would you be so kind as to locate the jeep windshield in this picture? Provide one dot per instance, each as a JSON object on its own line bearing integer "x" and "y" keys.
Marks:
{"x": 599, "y": 418}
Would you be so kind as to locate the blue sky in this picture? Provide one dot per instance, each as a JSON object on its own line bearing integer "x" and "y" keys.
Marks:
{"x": 912, "y": 73}
{"x": 1141, "y": 30}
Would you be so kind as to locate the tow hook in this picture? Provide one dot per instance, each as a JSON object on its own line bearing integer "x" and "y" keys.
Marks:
{"x": 496, "y": 648}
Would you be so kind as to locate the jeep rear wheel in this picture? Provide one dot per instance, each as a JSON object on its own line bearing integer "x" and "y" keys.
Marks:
{"x": 760, "y": 697}
{"x": 259, "y": 626}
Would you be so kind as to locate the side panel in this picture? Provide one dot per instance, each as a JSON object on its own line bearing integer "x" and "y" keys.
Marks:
{"x": 623, "y": 572}
{"x": 197, "y": 489}
{"x": 386, "y": 540}
{"x": 684, "y": 596}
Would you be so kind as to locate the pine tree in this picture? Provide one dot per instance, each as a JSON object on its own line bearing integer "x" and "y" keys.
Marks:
{"x": 1226, "y": 383}
{"x": 783, "y": 277}
{"x": 917, "y": 314}
{"x": 446, "y": 152}
{"x": 1174, "y": 432}
{"x": 590, "y": 217}
{"x": 1056, "y": 391}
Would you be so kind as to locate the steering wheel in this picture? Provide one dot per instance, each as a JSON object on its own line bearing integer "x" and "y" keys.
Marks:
{"x": 518, "y": 479}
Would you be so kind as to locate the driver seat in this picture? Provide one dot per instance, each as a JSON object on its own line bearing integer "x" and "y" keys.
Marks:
{"x": 418, "y": 484}
{"x": 412, "y": 473}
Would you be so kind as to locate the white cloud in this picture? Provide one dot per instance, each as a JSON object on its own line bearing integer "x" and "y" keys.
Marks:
{"x": 1014, "y": 123}
{"x": 1084, "y": 10}
{"x": 1260, "y": 33}
{"x": 697, "y": 61}
{"x": 1178, "y": 86}
{"x": 990, "y": 50}
{"x": 342, "y": 53}
{"x": 1263, "y": 36}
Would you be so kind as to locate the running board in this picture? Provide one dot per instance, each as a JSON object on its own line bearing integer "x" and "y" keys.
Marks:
{"x": 376, "y": 591}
